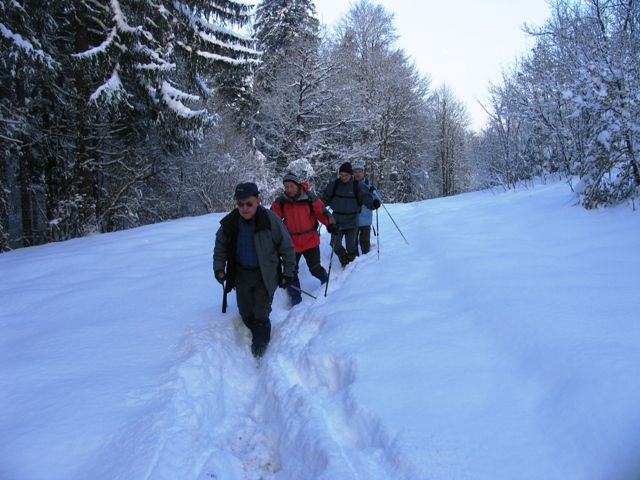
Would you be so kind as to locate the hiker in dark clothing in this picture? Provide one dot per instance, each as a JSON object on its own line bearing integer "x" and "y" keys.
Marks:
{"x": 345, "y": 196}
{"x": 301, "y": 211}
{"x": 251, "y": 244}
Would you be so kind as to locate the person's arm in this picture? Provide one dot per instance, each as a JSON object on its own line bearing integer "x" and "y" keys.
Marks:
{"x": 326, "y": 194}
{"x": 374, "y": 191}
{"x": 320, "y": 213}
{"x": 367, "y": 198}
{"x": 220, "y": 251}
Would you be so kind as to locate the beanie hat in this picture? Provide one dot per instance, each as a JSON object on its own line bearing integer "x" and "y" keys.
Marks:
{"x": 358, "y": 166}
{"x": 247, "y": 189}
{"x": 346, "y": 168}
{"x": 291, "y": 177}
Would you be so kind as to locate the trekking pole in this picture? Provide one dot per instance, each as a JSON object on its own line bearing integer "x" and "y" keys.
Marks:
{"x": 224, "y": 297}
{"x": 378, "y": 239}
{"x": 302, "y": 291}
{"x": 394, "y": 222}
{"x": 326, "y": 288}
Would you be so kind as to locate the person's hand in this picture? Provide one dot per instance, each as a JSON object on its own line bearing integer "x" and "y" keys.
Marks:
{"x": 376, "y": 204}
{"x": 220, "y": 276}
{"x": 372, "y": 189}
{"x": 285, "y": 281}
{"x": 333, "y": 228}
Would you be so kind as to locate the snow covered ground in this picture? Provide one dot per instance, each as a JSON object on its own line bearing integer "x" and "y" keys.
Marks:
{"x": 502, "y": 342}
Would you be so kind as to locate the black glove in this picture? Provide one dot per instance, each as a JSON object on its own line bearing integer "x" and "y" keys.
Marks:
{"x": 372, "y": 189}
{"x": 285, "y": 281}
{"x": 220, "y": 276}
{"x": 376, "y": 204}
{"x": 333, "y": 228}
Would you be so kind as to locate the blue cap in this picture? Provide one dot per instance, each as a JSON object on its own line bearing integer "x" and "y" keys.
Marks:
{"x": 247, "y": 189}
{"x": 358, "y": 166}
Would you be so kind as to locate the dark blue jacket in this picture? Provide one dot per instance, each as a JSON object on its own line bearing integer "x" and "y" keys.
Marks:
{"x": 345, "y": 200}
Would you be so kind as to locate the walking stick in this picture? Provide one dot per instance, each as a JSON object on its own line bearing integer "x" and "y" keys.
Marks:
{"x": 394, "y": 222}
{"x": 326, "y": 287}
{"x": 224, "y": 297}
{"x": 378, "y": 239}
{"x": 302, "y": 291}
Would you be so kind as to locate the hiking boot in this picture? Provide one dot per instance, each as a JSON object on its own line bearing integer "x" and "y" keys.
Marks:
{"x": 258, "y": 349}
{"x": 261, "y": 337}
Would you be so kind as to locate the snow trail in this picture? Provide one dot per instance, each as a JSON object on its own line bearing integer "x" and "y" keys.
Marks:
{"x": 227, "y": 419}
{"x": 501, "y": 343}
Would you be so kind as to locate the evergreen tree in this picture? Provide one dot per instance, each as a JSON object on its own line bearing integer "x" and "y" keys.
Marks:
{"x": 281, "y": 28}
{"x": 108, "y": 93}
{"x": 290, "y": 83}
{"x": 29, "y": 67}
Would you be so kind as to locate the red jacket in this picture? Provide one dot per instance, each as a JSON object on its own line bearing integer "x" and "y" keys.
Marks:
{"x": 299, "y": 216}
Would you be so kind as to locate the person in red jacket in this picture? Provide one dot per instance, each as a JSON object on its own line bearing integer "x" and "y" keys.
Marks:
{"x": 301, "y": 211}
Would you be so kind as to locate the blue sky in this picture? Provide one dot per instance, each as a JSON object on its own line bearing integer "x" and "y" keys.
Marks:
{"x": 465, "y": 44}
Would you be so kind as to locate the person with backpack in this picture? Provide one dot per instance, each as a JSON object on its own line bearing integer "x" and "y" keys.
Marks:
{"x": 366, "y": 215}
{"x": 301, "y": 211}
{"x": 345, "y": 196}
{"x": 251, "y": 245}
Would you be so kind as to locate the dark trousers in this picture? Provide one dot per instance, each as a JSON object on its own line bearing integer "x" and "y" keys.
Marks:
{"x": 254, "y": 303}
{"x": 351, "y": 241}
{"x": 312, "y": 257}
{"x": 364, "y": 238}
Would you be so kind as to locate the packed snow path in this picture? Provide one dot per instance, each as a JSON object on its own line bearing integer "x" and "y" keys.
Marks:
{"x": 289, "y": 414}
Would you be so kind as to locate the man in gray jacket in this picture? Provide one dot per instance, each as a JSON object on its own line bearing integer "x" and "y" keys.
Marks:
{"x": 252, "y": 245}
{"x": 345, "y": 196}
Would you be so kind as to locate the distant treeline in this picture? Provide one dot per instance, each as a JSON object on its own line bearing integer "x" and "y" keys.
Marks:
{"x": 118, "y": 114}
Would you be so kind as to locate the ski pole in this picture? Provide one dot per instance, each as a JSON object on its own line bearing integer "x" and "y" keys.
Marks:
{"x": 302, "y": 291}
{"x": 326, "y": 288}
{"x": 378, "y": 239}
{"x": 224, "y": 297}
{"x": 394, "y": 222}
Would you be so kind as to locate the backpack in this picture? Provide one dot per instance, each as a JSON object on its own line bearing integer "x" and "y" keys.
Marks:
{"x": 356, "y": 191}
{"x": 310, "y": 199}
{"x": 281, "y": 202}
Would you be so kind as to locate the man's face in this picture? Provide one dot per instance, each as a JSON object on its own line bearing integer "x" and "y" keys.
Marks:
{"x": 345, "y": 177}
{"x": 358, "y": 174}
{"x": 248, "y": 207}
{"x": 291, "y": 189}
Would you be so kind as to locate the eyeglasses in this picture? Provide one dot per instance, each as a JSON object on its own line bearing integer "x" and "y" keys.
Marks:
{"x": 245, "y": 204}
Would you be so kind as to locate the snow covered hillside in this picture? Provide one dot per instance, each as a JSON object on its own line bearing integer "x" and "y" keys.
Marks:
{"x": 501, "y": 343}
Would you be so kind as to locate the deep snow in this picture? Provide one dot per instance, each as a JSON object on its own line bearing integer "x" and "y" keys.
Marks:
{"x": 502, "y": 343}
